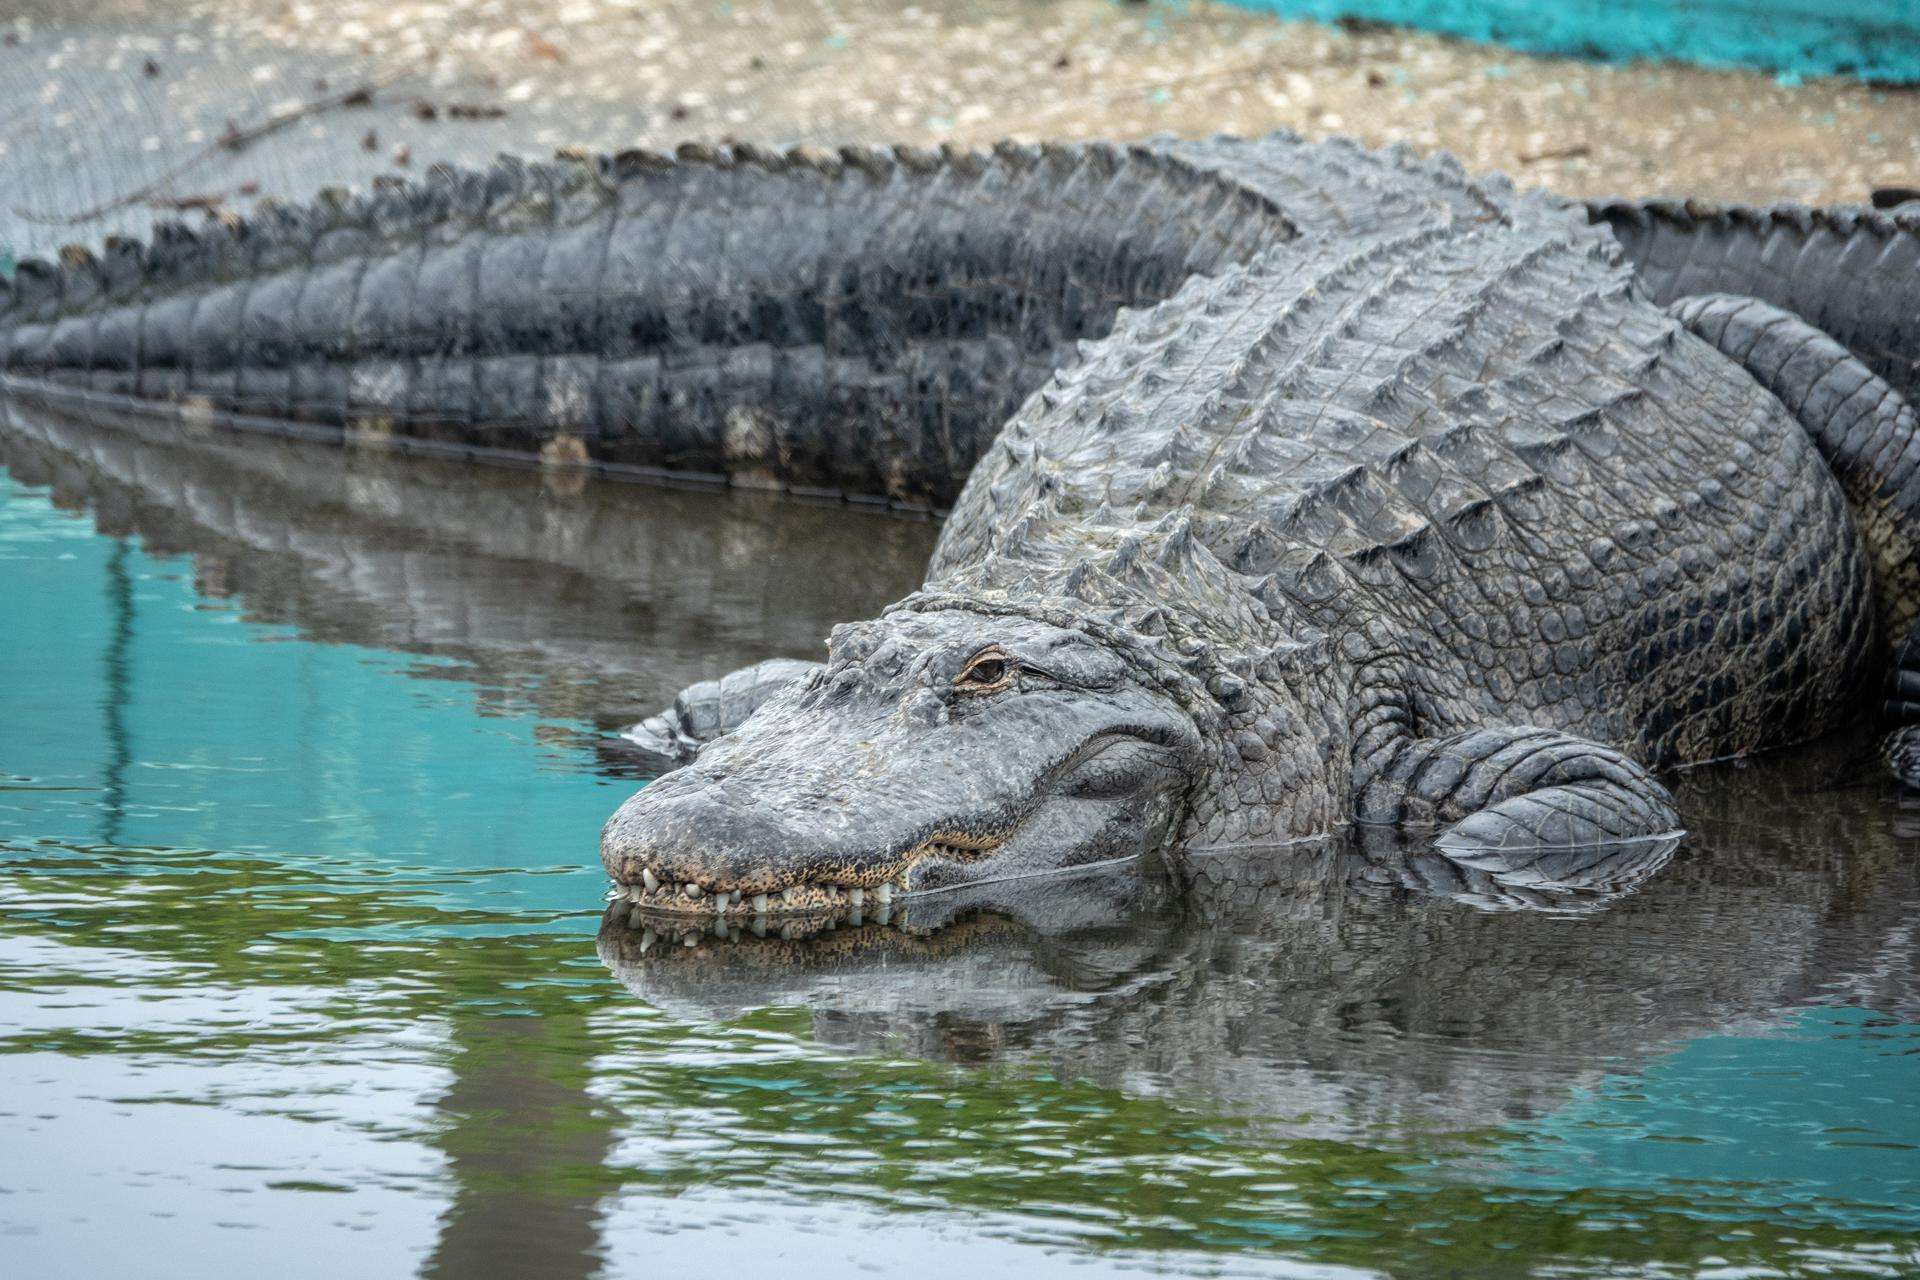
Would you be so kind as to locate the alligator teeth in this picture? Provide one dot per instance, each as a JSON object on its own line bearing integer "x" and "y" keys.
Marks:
{"x": 646, "y": 941}
{"x": 841, "y": 897}
{"x": 689, "y": 940}
{"x": 759, "y": 926}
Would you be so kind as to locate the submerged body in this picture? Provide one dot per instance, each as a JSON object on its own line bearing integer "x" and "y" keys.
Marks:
{"x": 1403, "y": 501}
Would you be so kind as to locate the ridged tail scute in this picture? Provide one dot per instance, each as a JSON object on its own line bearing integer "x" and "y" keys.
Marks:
{"x": 857, "y": 322}
{"x": 1852, "y": 272}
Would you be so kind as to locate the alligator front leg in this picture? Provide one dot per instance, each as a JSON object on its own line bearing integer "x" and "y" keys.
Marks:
{"x": 1511, "y": 788}
{"x": 707, "y": 709}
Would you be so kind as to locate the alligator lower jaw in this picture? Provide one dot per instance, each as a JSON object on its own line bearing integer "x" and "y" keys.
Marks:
{"x": 871, "y": 893}
{"x": 650, "y": 928}
{"x": 635, "y": 937}
{"x": 690, "y": 905}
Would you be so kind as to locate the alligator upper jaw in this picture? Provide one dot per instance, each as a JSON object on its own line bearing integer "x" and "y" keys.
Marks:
{"x": 866, "y": 888}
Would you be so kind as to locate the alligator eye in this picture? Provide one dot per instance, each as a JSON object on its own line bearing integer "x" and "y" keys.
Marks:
{"x": 989, "y": 670}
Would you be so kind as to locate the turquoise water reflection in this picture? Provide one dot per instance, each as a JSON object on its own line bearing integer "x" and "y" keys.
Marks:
{"x": 298, "y": 971}
{"x": 1815, "y": 1117}
{"x": 156, "y": 716}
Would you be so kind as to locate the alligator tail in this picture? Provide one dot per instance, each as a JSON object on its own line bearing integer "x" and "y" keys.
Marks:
{"x": 859, "y": 321}
{"x": 1853, "y": 273}
{"x": 1869, "y": 435}
{"x": 1900, "y": 749}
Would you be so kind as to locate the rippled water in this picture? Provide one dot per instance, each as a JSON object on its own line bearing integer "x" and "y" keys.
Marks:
{"x": 303, "y": 968}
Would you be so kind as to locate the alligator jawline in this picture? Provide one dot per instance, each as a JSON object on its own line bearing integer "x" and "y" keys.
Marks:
{"x": 641, "y": 933}
{"x": 870, "y": 894}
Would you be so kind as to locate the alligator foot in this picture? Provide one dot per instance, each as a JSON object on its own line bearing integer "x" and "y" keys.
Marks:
{"x": 1500, "y": 791}
{"x": 707, "y": 709}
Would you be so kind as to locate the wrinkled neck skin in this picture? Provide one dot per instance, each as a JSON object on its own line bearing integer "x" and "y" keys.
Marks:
{"x": 974, "y": 734}
{"x": 1273, "y": 756}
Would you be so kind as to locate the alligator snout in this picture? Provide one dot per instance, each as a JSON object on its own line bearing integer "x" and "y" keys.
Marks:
{"x": 935, "y": 769}
{"x": 690, "y": 843}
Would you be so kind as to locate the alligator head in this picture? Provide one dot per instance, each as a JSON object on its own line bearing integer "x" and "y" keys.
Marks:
{"x": 1089, "y": 693}
{"x": 938, "y": 747}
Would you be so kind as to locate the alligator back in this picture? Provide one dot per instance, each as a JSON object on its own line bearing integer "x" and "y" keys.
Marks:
{"x": 1480, "y": 449}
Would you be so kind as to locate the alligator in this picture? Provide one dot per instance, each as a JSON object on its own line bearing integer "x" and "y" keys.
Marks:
{"x": 1289, "y": 485}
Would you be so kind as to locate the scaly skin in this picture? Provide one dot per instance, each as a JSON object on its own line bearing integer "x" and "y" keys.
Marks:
{"x": 1396, "y": 498}
{"x": 1278, "y": 535}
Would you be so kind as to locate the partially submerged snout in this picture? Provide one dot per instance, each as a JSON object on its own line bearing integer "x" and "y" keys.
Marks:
{"x": 935, "y": 750}
{"x": 702, "y": 840}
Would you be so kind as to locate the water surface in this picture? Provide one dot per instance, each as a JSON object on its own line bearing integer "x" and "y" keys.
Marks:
{"x": 303, "y": 965}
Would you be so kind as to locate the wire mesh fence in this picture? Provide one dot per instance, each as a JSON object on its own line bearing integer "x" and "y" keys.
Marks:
{"x": 127, "y": 111}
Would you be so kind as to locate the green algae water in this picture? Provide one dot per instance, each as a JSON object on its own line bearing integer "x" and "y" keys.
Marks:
{"x": 304, "y": 968}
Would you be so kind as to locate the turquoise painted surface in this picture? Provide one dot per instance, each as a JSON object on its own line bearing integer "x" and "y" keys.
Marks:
{"x": 1879, "y": 40}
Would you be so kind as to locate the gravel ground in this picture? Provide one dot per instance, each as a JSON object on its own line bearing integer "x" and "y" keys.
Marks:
{"x": 113, "y": 98}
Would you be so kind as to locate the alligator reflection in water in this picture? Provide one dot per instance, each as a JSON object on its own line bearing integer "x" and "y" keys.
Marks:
{"x": 1358, "y": 985}
{"x": 594, "y": 600}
